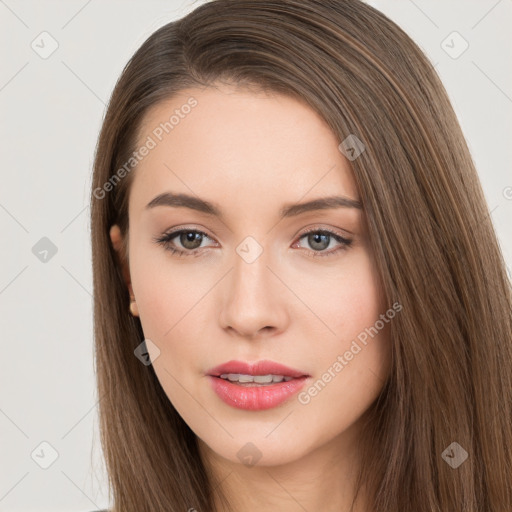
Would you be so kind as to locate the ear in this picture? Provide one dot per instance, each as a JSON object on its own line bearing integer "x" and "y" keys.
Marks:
{"x": 117, "y": 242}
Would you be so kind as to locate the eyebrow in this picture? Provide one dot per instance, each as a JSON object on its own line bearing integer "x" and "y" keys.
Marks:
{"x": 289, "y": 210}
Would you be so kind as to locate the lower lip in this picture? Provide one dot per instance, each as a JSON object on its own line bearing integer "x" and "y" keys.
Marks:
{"x": 255, "y": 398}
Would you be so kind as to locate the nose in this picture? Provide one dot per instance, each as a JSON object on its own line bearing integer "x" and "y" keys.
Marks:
{"x": 253, "y": 299}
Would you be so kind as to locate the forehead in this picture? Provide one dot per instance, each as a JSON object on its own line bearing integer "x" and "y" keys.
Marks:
{"x": 231, "y": 144}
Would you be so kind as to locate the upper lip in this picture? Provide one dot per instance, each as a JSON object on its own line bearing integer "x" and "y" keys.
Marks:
{"x": 257, "y": 368}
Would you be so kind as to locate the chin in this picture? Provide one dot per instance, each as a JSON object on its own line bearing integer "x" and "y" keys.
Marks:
{"x": 259, "y": 451}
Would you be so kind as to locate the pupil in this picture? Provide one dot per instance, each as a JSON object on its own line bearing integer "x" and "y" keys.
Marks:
{"x": 189, "y": 240}
{"x": 319, "y": 241}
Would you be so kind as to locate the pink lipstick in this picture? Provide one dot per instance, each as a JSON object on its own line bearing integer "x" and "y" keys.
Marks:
{"x": 255, "y": 386}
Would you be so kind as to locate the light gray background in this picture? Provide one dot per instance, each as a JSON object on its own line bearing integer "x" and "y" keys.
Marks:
{"x": 51, "y": 110}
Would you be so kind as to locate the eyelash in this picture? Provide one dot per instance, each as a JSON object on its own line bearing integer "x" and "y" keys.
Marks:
{"x": 165, "y": 241}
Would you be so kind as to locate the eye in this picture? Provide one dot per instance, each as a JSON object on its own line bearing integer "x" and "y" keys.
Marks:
{"x": 321, "y": 239}
{"x": 190, "y": 241}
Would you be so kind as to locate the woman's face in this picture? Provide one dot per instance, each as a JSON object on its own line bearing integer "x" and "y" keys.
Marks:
{"x": 249, "y": 282}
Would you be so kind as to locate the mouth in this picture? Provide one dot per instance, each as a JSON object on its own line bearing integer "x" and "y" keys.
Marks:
{"x": 260, "y": 372}
{"x": 255, "y": 386}
{"x": 254, "y": 380}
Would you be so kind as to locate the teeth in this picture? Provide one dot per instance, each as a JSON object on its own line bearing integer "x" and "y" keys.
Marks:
{"x": 263, "y": 379}
{"x": 258, "y": 379}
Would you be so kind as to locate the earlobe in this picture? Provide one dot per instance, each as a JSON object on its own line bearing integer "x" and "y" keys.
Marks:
{"x": 133, "y": 308}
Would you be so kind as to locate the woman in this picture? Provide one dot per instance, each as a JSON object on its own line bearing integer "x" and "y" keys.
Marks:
{"x": 300, "y": 301}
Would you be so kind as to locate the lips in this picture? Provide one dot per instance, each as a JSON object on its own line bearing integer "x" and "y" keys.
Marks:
{"x": 257, "y": 397}
{"x": 258, "y": 368}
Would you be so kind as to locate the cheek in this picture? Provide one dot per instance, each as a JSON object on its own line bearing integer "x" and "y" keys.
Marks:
{"x": 354, "y": 358}
{"x": 349, "y": 301}
{"x": 172, "y": 316}
{"x": 168, "y": 300}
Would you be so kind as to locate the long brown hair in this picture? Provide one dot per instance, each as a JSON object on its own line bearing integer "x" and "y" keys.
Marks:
{"x": 429, "y": 227}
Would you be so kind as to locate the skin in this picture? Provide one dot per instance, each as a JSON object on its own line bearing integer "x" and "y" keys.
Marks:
{"x": 251, "y": 153}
